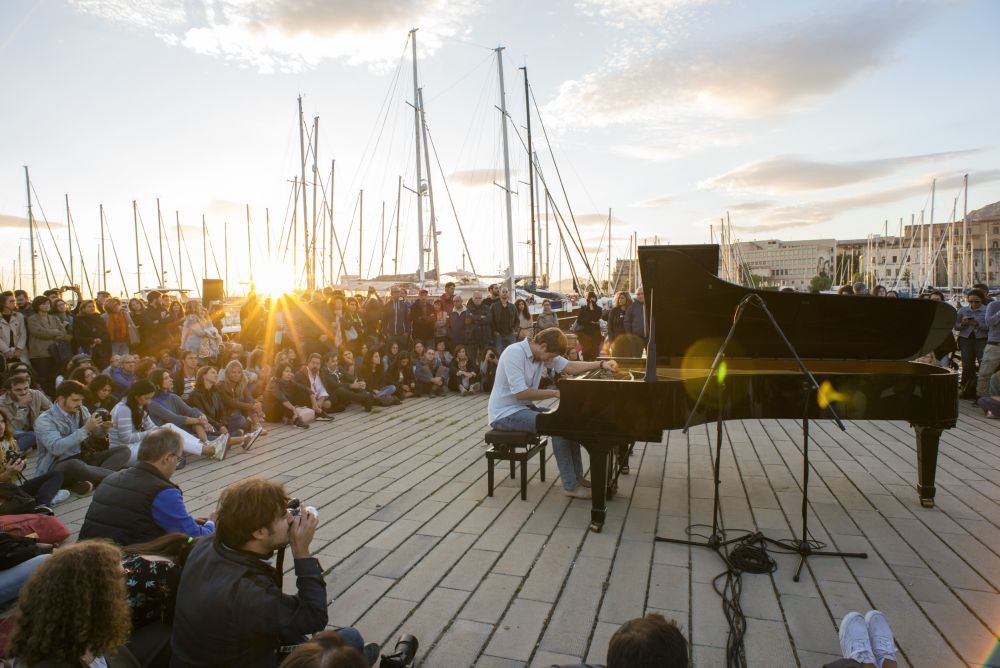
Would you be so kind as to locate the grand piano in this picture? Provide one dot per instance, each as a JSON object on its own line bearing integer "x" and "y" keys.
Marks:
{"x": 857, "y": 348}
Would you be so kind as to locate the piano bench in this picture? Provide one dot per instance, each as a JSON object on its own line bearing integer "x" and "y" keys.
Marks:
{"x": 515, "y": 446}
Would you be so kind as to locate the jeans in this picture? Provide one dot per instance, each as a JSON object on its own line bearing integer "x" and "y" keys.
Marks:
{"x": 237, "y": 423}
{"x": 567, "y": 452}
{"x": 25, "y": 440}
{"x": 12, "y": 579}
{"x": 504, "y": 340}
{"x": 989, "y": 404}
{"x": 113, "y": 459}
{"x": 386, "y": 391}
{"x": 987, "y": 367}
{"x": 44, "y": 487}
{"x": 972, "y": 352}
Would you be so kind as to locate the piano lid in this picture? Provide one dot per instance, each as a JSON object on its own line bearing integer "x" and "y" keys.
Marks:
{"x": 694, "y": 310}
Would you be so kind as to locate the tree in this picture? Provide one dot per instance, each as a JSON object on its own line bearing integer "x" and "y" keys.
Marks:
{"x": 820, "y": 282}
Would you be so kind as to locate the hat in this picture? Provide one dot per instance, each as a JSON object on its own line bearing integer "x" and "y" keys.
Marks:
{"x": 80, "y": 359}
{"x": 423, "y": 291}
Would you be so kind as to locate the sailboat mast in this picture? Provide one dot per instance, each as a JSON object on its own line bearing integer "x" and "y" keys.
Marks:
{"x": 381, "y": 229}
{"x": 180, "y": 261}
{"x": 311, "y": 258}
{"x": 547, "y": 242}
{"x": 249, "y": 246}
{"x": 333, "y": 231}
{"x": 506, "y": 172}
{"x": 204, "y": 249}
{"x": 430, "y": 188}
{"x": 31, "y": 234}
{"x": 531, "y": 176}
{"x": 159, "y": 235}
{"x": 361, "y": 228}
{"x": 69, "y": 238}
{"x": 966, "y": 265}
{"x": 104, "y": 257}
{"x": 416, "y": 145}
{"x": 611, "y": 287}
{"x": 225, "y": 253}
{"x": 135, "y": 231}
{"x": 395, "y": 252}
{"x": 267, "y": 231}
{"x": 305, "y": 215}
{"x": 931, "y": 241}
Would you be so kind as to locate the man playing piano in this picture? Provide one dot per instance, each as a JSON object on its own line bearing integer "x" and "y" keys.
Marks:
{"x": 511, "y": 406}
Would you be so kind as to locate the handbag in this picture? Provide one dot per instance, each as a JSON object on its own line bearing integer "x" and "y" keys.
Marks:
{"x": 14, "y": 500}
{"x": 93, "y": 445}
{"x": 60, "y": 351}
{"x": 306, "y": 415}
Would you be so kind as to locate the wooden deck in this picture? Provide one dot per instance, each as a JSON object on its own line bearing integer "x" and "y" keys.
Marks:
{"x": 412, "y": 543}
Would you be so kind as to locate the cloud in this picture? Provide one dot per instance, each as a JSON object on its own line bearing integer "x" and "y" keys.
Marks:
{"x": 221, "y": 207}
{"x": 811, "y": 213}
{"x": 629, "y": 13}
{"x": 654, "y": 203}
{"x": 474, "y": 178}
{"x": 292, "y": 35}
{"x": 778, "y": 69}
{"x": 791, "y": 174}
{"x": 8, "y": 222}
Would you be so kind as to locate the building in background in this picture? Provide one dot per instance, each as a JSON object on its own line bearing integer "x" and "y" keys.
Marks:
{"x": 785, "y": 264}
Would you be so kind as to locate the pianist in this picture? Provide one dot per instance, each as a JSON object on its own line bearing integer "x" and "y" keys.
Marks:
{"x": 511, "y": 406}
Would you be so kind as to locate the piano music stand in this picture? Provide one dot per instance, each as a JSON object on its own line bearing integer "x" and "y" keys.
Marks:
{"x": 803, "y": 546}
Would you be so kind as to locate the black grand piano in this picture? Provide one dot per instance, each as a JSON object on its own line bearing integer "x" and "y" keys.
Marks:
{"x": 856, "y": 347}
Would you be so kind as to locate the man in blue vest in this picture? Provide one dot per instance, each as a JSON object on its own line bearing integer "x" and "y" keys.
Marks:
{"x": 140, "y": 503}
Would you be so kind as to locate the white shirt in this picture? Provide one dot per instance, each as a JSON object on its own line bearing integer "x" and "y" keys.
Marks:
{"x": 517, "y": 370}
{"x": 316, "y": 382}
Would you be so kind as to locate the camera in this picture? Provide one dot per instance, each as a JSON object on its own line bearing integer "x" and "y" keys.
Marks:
{"x": 404, "y": 653}
{"x": 295, "y": 507}
{"x": 13, "y": 456}
{"x": 102, "y": 414}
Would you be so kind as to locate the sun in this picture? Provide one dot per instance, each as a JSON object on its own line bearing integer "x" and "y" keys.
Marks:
{"x": 274, "y": 279}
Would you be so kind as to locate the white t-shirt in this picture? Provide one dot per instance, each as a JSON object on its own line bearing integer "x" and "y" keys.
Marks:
{"x": 517, "y": 370}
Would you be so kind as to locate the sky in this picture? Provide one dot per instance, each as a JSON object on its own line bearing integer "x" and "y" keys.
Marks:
{"x": 804, "y": 119}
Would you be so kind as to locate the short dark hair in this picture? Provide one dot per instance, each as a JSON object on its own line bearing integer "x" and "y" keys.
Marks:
{"x": 449, "y": 284}
{"x": 245, "y": 507}
{"x": 159, "y": 442}
{"x": 16, "y": 379}
{"x": 38, "y": 301}
{"x": 648, "y": 642}
{"x": 70, "y": 387}
{"x": 156, "y": 378}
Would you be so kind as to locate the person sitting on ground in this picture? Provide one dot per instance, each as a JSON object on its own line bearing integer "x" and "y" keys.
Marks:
{"x": 343, "y": 388}
{"x": 401, "y": 375}
{"x": 390, "y": 355}
{"x": 24, "y": 405}
{"x": 125, "y": 375}
{"x": 187, "y": 375}
{"x": 72, "y": 441}
{"x": 244, "y": 412}
{"x": 991, "y": 402}
{"x": 19, "y": 558}
{"x": 325, "y": 650}
{"x": 140, "y": 503}
{"x": 443, "y": 354}
{"x": 418, "y": 351}
{"x": 309, "y": 376}
{"x": 168, "y": 408}
{"x": 645, "y": 642}
{"x": 207, "y": 398}
{"x": 19, "y": 495}
{"x": 100, "y": 393}
{"x": 83, "y": 375}
{"x": 512, "y": 408}
{"x": 73, "y": 609}
{"x": 866, "y": 641}
{"x": 488, "y": 369}
{"x": 278, "y": 400}
{"x": 431, "y": 376}
{"x": 463, "y": 375}
{"x": 131, "y": 420}
{"x": 230, "y": 608}
{"x": 377, "y": 381}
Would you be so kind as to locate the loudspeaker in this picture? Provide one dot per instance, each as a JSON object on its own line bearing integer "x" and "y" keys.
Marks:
{"x": 212, "y": 290}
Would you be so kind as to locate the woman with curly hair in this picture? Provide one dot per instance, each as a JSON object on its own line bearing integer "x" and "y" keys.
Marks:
{"x": 74, "y": 608}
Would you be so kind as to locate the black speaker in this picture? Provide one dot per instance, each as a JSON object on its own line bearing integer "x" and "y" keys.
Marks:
{"x": 212, "y": 290}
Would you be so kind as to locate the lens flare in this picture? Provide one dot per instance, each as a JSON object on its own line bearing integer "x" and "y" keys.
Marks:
{"x": 828, "y": 395}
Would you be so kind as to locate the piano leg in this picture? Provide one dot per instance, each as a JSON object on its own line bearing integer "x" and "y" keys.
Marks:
{"x": 599, "y": 486}
{"x": 927, "y": 452}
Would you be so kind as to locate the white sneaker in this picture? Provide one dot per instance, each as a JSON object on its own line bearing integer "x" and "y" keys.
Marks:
{"x": 880, "y": 637}
{"x": 60, "y": 496}
{"x": 854, "y": 641}
{"x": 220, "y": 444}
{"x": 251, "y": 437}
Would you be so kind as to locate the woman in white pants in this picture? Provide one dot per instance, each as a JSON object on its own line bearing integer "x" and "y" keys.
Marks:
{"x": 130, "y": 422}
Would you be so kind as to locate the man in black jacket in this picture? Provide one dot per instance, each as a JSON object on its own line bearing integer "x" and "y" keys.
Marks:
{"x": 230, "y": 608}
{"x": 503, "y": 318}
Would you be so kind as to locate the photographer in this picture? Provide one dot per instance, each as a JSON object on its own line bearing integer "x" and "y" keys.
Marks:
{"x": 18, "y": 495}
{"x": 73, "y": 441}
{"x": 230, "y": 608}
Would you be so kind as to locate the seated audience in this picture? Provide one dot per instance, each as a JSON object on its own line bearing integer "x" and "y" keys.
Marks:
{"x": 207, "y": 399}
{"x": 488, "y": 368}
{"x": 244, "y": 412}
{"x": 309, "y": 376}
{"x": 647, "y": 642}
{"x": 19, "y": 495}
{"x": 230, "y": 608}
{"x": 343, "y": 387}
{"x": 325, "y": 650}
{"x": 140, "y": 503}
{"x": 83, "y": 375}
{"x": 443, "y": 354}
{"x": 376, "y": 380}
{"x": 187, "y": 375}
{"x": 278, "y": 400}
{"x": 24, "y": 405}
{"x": 19, "y": 558}
{"x": 401, "y": 375}
{"x": 168, "y": 408}
{"x": 389, "y": 358}
{"x": 74, "y": 442}
{"x": 463, "y": 376}
{"x": 73, "y": 609}
{"x": 100, "y": 393}
{"x": 125, "y": 375}
{"x": 130, "y": 421}
{"x": 431, "y": 376}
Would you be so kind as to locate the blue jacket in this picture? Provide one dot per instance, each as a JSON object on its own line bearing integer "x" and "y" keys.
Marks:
{"x": 168, "y": 407}
{"x": 59, "y": 436}
{"x": 396, "y": 318}
{"x": 171, "y": 515}
{"x": 993, "y": 320}
{"x": 980, "y": 331}
{"x": 122, "y": 381}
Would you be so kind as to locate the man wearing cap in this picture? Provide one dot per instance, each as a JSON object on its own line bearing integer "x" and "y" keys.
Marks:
{"x": 422, "y": 318}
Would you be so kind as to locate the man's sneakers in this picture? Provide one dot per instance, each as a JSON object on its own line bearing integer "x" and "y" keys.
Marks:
{"x": 854, "y": 641}
{"x": 371, "y": 653}
{"x": 60, "y": 496}
{"x": 81, "y": 487}
{"x": 867, "y": 639}
{"x": 251, "y": 437}
{"x": 880, "y": 635}
{"x": 221, "y": 446}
